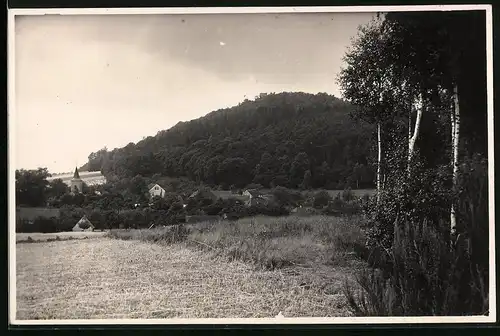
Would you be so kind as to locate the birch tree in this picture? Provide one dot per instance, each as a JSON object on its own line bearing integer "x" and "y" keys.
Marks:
{"x": 365, "y": 85}
{"x": 455, "y": 139}
{"x": 442, "y": 55}
{"x": 413, "y": 132}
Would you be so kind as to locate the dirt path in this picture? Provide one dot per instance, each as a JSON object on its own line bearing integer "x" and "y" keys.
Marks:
{"x": 105, "y": 278}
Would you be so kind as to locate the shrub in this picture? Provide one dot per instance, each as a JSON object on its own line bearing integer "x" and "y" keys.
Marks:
{"x": 425, "y": 196}
{"x": 419, "y": 269}
{"x": 111, "y": 219}
{"x": 286, "y": 197}
{"x": 215, "y": 208}
{"x": 267, "y": 210}
{"x": 176, "y": 214}
{"x": 340, "y": 207}
{"x": 321, "y": 199}
{"x": 39, "y": 224}
{"x": 159, "y": 203}
{"x": 96, "y": 218}
{"x": 167, "y": 235}
{"x": 426, "y": 277}
{"x": 348, "y": 195}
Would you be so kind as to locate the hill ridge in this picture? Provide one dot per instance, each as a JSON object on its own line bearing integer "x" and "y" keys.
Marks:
{"x": 311, "y": 137}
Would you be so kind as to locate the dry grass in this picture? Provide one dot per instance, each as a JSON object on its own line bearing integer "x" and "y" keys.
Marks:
{"x": 268, "y": 242}
{"x": 107, "y": 278}
{"x": 41, "y": 237}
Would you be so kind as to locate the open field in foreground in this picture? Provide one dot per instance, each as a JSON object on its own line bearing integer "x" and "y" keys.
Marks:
{"x": 108, "y": 278}
{"x": 39, "y": 237}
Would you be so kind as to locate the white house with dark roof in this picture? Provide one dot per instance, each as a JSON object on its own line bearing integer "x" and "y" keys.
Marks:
{"x": 156, "y": 190}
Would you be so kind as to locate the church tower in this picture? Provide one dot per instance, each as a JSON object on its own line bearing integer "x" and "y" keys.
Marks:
{"x": 76, "y": 182}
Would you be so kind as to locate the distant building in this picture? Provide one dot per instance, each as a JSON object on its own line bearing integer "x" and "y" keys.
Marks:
{"x": 78, "y": 178}
{"x": 156, "y": 190}
{"x": 255, "y": 197}
{"x": 84, "y": 225}
{"x": 76, "y": 183}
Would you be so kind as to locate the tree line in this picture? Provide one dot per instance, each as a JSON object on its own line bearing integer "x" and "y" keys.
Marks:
{"x": 126, "y": 203}
{"x": 294, "y": 140}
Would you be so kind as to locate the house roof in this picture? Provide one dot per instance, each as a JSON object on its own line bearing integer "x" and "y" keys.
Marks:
{"x": 84, "y": 219}
{"x": 254, "y": 192}
{"x": 151, "y": 185}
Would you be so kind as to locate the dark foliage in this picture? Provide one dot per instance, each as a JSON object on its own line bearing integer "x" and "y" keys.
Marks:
{"x": 287, "y": 139}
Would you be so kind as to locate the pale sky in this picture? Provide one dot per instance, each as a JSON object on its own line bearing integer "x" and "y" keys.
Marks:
{"x": 85, "y": 82}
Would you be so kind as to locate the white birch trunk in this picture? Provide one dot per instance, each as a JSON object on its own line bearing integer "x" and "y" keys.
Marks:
{"x": 409, "y": 130}
{"x": 455, "y": 140}
{"x": 379, "y": 168}
{"x": 413, "y": 139}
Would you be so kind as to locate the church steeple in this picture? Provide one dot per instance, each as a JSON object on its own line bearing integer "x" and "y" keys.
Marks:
{"x": 76, "y": 182}
{"x": 76, "y": 175}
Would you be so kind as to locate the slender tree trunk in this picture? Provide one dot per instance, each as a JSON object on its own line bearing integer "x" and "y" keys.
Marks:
{"x": 413, "y": 139}
{"x": 455, "y": 140}
{"x": 379, "y": 168}
{"x": 409, "y": 130}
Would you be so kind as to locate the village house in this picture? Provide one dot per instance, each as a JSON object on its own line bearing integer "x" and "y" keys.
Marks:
{"x": 255, "y": 197}
{"x": 83, "y": 224}
{"x": 156, "y": 190}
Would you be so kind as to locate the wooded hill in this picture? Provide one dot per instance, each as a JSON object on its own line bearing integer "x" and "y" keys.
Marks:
{"x": 288, "y": 139}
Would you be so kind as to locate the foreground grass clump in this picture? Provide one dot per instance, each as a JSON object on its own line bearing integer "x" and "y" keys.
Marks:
{"x": 425, "y": 276}
{"x": 169, "y": 235}
{"x": 269, "y": 242}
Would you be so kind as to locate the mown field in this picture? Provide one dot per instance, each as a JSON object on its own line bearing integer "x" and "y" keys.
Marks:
{"x": 37, "y": 237}
{"x": 250, "y": 268}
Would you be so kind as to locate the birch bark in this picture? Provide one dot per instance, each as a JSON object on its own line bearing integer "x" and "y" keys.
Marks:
{"x": 413, "y": 139}
{"x": 379, "y": 168}
{"x": 455, "y": 140}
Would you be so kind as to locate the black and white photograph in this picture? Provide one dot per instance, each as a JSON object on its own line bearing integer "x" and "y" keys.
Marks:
{"x": 251, "y": 165}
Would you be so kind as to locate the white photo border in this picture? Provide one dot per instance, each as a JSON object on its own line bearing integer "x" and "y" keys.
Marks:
{"x": 246, "y": 10}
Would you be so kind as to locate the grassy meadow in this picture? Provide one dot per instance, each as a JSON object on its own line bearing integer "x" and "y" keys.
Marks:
{"x": 267, "y": 242}
{"x": 254, "y": 267}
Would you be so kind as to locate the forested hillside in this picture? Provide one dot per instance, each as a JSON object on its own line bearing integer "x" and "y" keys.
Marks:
{"x": 287, "y": 139}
